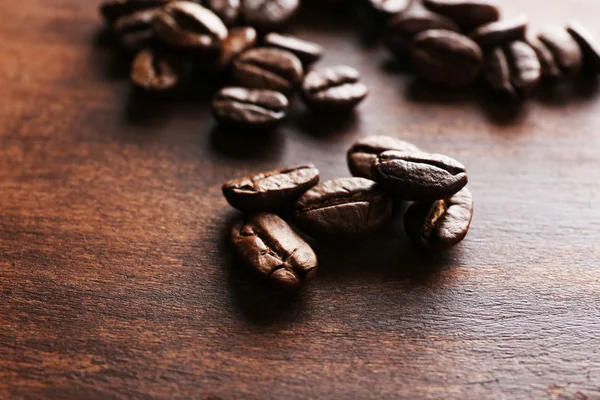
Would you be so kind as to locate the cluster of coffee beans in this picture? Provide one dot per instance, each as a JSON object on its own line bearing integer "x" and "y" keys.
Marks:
{"x": 454, "y": 42}
{"x": 385, "y": 171}
{"x": 168, "y": 33}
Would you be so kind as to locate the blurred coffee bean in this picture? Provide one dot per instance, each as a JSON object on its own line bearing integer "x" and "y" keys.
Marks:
{"x": 135, "y": 30}
{"x": 589, "y": 45}
{"x": 238, "y": 41}
{"x": 565, "y": 51}
{"x": 227, "y": 10}
{"x": 268, "y": 68}
{"x": 155, "y": 71}
{"x": 446, "y": 58}
{"x": 440, "y": 224}
{"x": 191, "y": 27}
{"x": 550, "y": 70}
{"x": 249, "y": 108}
{"x": 387, "y": 8}
{"x": 513, "y": 70}
{"x": 402, "y": 28}
{"x": 333, "y": 89}
{"x": 307, "y": 52}
{"x": 500, "y": 32}
{"x": 469, "y": 14}
{"x": 111, "y": 10}
{"x": 268, "y": 14}
{"x": 362, "y": 154}
{"x": 271, "y": 190}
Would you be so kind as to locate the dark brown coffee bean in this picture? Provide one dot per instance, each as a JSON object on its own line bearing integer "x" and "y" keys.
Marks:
{"x": 344, "y": 208}
{"x": 269, "y": 246}
{"x": 419, "y": 176}
{"x": 564, "y": 49}
{"x": 500, "y": 32}
{"x": 362, "y": 154}
{"x": 440, "y": 224}
{"x": 402, "y": 28}
{"x": 111, "y": 10}
{"x": 156, "y": 72}
{"x": 268, "y": 14}
{"x": 513, "y": 70}
{"x": 135, "y": 30}
{"x": 249, "y": 108}
{"x": 550, "y": 70}
{"x": 589, "y": 46}
{"x": 271, "y": 190}
{"x": 268, "y": 68}
{"x": 446, "y": 58}
{"x": 333, "y": 89}
{"x": 306, "y": 51}
{"x": 189, "y": 26}
{"x": 227, "y": 10}
{"x": 238, "y": 41}
{"x": 387, "y": 8}
{"x": 469, "y": 14}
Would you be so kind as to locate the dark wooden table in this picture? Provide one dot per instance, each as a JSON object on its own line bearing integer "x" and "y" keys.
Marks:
{"x": 116, "y": 281}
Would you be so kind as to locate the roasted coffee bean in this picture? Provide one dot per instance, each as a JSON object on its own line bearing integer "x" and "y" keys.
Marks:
{"x": 440, "y": 224}
{"x": 550, "y": 70}
{"x": 268, "y": 14}
{"x": 189, "y": 26}
{"x": 500, "y": 32}
{"x": 238, "y": 41}
{"x": 271, "y": 190}
{"x": 402, "y": 28}
{"x": 387, "y": 8}
{"x": 333, "y": 89}
{"x": 306, "y": 51}
{"x": 135, "y": 30}
{"x": 513, "y": 70}
{"x": 362, "y": 154}
{"x": 269, "y": 246}
{"x": 589, "y": 46}
{"x": 564, "y": 49}
{"x": 469, "y": 14}
{"x": 227, "y": 10}
{"x": 249, "y": 108}
{"x": 419, "y": 176}
{"x": 344, "y": 208}
{"x": 111, "y": 10}
{"x": 446, "y": 58}
{"x": 268, "y": 68}
{"x": 156, "y": 72}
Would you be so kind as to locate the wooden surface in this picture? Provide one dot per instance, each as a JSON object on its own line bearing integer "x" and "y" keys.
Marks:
{"x": 116, "y": 281}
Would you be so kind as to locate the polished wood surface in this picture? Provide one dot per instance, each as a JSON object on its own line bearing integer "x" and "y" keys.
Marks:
{"x": 117, "y": 282}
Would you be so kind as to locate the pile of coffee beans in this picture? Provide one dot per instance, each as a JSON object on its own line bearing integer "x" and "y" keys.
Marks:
{"x": 232, "y": 40}
{"x": 455, "y": 42}
{"x": 386, "y": 172}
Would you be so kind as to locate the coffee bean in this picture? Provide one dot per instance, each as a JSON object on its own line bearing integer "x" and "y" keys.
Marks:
{"x": 564, "y": 49}
{"x": 268, "y": 68}
{"x": 387, "y": 8}
{"x": 344, "y": 208}
{"x": 227, "y": 10}
{"x": 269, "y": 246}
{"x": 249, "y": 108}
{"x": 306, "y": 51}
{"x": 550, "y": 70}
{"x": 500, "y": 32}
{"x": 238, "y": 41}
{"x": 154, "y": 71}
{"x": 513, "y": 70}
{"x": 440, "y": 224}
{"x": 362, "y": 154}
{"x": 419, "y": 176}
{"x": 135, "y": 30}
{"x": 589, "y": 46}
{"x": 446, "y": 58}
{"x": 402, "y": 28}
{"x": 333, "y": 89}
{"x": 268, "y": 14}
{"x": 191, "y": 27}
{"x": 469, "y": 14}
{"x": 271, "y": 190}
{"x": 111, "y": 10}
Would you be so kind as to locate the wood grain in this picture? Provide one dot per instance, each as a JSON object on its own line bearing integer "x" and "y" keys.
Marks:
{"x": 116, "y": 281}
